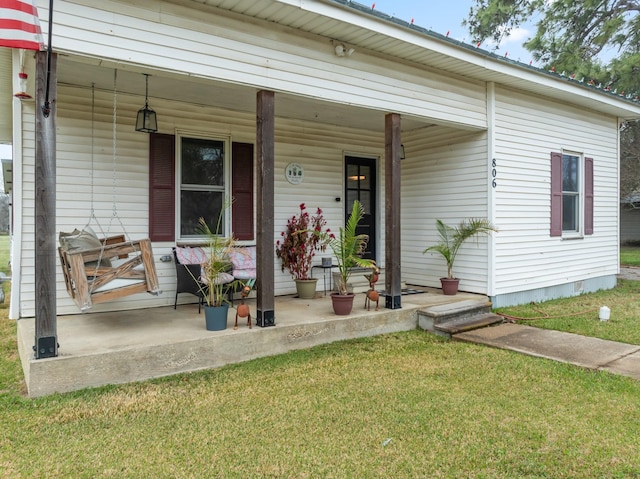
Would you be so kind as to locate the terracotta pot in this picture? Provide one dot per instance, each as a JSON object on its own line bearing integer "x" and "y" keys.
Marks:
{"x": 342, "y": 303}
{"x": 306, "y": 288}
{"x": 449, "y": 286}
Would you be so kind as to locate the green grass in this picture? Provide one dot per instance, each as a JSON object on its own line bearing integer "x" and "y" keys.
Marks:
{"x": 403, "y": 405}
{"x": 4, "y": 262}
{"x": 399, "y": 405}
{"x": 630, "y": 256}
{"x": 580, "y": 314}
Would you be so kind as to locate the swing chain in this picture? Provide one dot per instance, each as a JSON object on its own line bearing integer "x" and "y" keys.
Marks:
{"x": 115, "y": 144}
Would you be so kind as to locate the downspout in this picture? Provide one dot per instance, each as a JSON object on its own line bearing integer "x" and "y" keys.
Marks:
{"x": 618, "y": 173}
{"x": 492, "y": 184}
{"x": 46, "y": 107}
{"x": 16, "y": 231}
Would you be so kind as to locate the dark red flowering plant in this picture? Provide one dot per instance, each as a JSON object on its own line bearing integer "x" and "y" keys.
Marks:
{"x": 305, "y": 234}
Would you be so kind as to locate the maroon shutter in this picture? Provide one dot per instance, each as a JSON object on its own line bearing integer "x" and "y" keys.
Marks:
{"x": 588, "y": 196}
{"x": 556, "y": 194}
{"x": 242, "y": 191}
{"x": 161, "y": 187}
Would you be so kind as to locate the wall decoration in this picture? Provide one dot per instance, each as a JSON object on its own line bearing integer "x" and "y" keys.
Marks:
{"x": 294, "y": 173}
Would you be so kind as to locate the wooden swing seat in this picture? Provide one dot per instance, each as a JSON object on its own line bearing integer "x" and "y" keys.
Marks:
{"x": 117, "y": 275}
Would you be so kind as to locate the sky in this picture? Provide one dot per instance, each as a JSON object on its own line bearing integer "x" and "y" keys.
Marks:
{"x": 5, "y": 153}
{"x": 447, "y": 16}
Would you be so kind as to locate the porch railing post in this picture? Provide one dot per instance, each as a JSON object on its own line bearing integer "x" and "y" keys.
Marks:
{"x": 392, "y": 153}
{"x": 46, "y": 339}
{"x": 265, "y": 134}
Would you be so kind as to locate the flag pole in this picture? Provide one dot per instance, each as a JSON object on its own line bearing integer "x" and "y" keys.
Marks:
{"x": 46, "y": 108}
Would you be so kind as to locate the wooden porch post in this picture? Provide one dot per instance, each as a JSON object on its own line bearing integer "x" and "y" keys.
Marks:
{"x": 265, "y": 124}
{"x": 392, "y": 210}
{"x": 46, "y": 340}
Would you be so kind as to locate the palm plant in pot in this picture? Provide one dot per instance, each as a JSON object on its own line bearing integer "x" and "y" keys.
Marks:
{"x": 348, "y": 248}
{"x": 451, "y": 238}
{"x": 215, "y": 278}
{"x": 304, "y": 235}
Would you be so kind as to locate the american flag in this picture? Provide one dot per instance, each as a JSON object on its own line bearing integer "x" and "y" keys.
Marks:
{"x": 19, "y": 25}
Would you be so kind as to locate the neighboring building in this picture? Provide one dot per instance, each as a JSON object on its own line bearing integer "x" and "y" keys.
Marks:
{"x": 630, "y": 220}
{"x": 483, "y": 136}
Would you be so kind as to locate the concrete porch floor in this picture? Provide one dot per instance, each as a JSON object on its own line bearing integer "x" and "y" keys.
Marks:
{"x": 125, "y": 346}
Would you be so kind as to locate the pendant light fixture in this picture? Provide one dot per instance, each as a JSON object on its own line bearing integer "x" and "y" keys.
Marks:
{"x": 146, "y": 120}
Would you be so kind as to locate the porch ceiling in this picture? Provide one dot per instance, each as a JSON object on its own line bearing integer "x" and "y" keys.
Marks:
{"x": 170, "y": 86}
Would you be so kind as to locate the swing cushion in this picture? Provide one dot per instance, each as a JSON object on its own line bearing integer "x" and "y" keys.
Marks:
{"x": 243, "y": 259}
{"x": 83, "y": 240}
{"x": 222, "y": 278}
{"x": 188, "y": 255}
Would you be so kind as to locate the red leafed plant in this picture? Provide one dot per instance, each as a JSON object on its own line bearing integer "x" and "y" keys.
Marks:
{"x": 304, "y": 236}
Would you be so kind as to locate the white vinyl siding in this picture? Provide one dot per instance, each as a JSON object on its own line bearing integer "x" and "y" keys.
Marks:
{"x": 526, "y": 131}
{"x": 443, "y": 177}
{"x": 178, "y": 39}
{"x": 320, "y": 149}
{"x": 446, "y": 174}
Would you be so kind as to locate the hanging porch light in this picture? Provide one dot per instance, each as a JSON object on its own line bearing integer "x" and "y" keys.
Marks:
{"x": 146, "y": 120}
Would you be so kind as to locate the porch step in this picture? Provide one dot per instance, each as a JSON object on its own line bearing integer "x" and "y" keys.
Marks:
{"x": 449, "y": 319}
{"x": 459, "y": 326}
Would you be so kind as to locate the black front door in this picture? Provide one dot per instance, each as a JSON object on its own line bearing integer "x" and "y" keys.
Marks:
{"x": 360, "y": 181}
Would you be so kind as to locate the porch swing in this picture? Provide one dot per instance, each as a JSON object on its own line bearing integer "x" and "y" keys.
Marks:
{"x": 97, "y": 270}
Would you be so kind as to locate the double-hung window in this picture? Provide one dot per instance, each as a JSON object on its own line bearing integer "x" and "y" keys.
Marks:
{"x": 571, "y": 174}
{"x": 203, "y": 184}
{"x": 571, "y": 195}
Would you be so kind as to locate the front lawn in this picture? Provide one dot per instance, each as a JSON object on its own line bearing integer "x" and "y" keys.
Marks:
{"x": 630, "y": 256}
{"x": 402, "y": 405}
{"x": 580, "y": 314}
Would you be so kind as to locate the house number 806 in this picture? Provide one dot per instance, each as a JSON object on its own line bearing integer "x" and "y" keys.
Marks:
{"x": 494, "y": 173}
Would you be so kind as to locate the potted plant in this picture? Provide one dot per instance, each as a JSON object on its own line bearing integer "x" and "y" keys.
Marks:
{"x": 215, "y": 278}
{"x": 348, "y": 248}
{"x": 301, "y": 239}
{"x": 451, "y": 238}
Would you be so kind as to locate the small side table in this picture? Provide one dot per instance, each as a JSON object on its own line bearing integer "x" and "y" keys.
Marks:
{"x": 324, "y": 275}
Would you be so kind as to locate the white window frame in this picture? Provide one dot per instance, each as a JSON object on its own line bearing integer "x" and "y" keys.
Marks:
{"x": 579, "y": 231}
{"x": 180, "y": 134}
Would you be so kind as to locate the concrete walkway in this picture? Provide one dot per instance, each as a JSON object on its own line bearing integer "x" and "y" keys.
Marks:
{"x": 591, "y": 353}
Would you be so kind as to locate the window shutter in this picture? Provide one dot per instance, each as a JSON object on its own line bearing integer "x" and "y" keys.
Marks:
{"x": 242, "y": 191}
{"x": 588, "y": 196}
{"x": 556, "y": 194}
{"x": 162, "y": 187}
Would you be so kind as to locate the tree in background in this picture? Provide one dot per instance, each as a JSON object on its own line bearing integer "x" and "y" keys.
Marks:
{"x": 598, "y": 40}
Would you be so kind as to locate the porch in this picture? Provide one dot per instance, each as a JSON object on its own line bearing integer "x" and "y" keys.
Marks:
{"x": 125, "y": 346}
